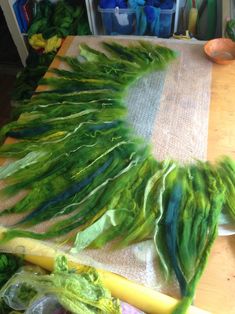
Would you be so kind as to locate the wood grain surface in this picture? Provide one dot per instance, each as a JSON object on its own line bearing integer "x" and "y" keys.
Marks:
{"x": 221, "y": 133}
{"x": 216, "y": 291}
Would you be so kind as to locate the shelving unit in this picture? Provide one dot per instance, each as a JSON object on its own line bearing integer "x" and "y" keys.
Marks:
{"x": 94, "y": 19}
{"x": 17, "y": 36}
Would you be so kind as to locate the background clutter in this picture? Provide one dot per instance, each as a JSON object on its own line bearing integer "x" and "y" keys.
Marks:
{"x": 137, "y": 17}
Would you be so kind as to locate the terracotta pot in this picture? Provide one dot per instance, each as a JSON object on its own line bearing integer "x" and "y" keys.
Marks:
{"x": 220, "y": 50}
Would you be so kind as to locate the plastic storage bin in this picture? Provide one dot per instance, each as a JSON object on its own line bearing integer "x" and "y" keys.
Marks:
{"x": 166, "y": 20}
{"x": 118, "y": 21}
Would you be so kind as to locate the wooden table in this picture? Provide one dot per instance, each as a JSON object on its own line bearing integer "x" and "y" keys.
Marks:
{"x": 216, "y": 291}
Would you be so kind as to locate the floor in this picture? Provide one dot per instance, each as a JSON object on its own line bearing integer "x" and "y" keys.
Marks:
{"x": 6, "y": 87}
{"x": 10, "y": 64}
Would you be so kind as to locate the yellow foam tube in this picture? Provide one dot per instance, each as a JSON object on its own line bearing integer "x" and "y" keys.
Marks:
{"x": 147, "y": 300}
{"x": 193, "y": 14}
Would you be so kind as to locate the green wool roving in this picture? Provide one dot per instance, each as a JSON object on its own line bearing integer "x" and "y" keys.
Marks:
{"x": 59, "y": 18}
{"x": 50, "y": 19}
{"x": 78, "y": 292}
{"x": 8, "y": 266}
{"x": 80, "y": 160}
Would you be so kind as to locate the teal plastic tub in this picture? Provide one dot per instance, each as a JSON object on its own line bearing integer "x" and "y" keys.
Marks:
{"x": 166, "y": 21}
{"x": 118, "y": 21}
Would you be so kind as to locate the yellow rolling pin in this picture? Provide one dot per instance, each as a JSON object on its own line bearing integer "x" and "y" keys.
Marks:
{"x": 147, "y": 300}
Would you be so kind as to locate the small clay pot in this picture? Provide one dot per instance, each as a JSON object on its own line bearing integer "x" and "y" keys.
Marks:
{"x": 220, "y": 50}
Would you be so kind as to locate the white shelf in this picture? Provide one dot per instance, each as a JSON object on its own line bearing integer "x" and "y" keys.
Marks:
{"x": 94, "y": 18}
{"x": 17, "y": 36}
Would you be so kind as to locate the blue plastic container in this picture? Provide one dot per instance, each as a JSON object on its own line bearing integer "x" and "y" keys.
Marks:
{"x": 118, "y": 21}
{"x": 166, "y": 19}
